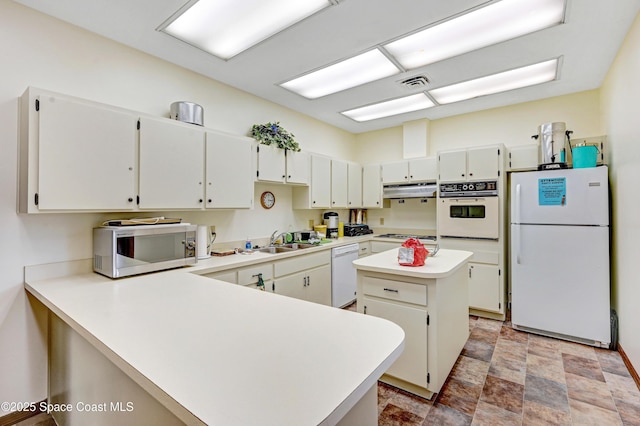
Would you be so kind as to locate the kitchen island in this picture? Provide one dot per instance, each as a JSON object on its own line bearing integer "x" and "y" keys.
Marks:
{"x": 178, "y": 348}
{"x": 429, "y": 302}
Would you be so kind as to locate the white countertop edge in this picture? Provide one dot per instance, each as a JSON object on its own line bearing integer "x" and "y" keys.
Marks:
{"x": 171, "y": 404}
{"x": 163, "y": 397}
{"x": 361, "y": 390}
{"x": 443, "y": 264}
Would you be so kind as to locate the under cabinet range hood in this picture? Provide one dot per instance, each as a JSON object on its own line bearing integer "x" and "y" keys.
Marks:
{"x": 410, "y": 190}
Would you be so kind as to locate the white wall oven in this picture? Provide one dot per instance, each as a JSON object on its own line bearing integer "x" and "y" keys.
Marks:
{"x": 469, "y": 210}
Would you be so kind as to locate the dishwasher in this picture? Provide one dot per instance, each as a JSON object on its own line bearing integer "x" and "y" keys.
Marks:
{"x": 343, "y": 275}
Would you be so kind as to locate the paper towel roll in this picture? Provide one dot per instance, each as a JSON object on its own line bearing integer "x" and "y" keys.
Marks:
{"x": 203, "y": 242}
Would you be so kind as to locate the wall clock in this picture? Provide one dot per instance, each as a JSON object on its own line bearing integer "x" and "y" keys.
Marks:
{"x": 267, "y": 199}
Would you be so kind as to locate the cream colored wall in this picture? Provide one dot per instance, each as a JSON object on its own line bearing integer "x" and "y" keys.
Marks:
{"x": 512, "y": 125}
{"x": 620, "y": 93}
{"x": 43, "y": 52}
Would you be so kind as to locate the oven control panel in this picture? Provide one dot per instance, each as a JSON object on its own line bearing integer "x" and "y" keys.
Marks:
{"x": 487, "y": 188}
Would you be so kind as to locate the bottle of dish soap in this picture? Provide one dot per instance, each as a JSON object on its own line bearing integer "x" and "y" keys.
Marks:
{"x": 247, "y": 244}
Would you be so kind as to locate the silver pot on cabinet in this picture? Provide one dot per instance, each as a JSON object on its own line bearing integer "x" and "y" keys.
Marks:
{"x": 188, "y": 112}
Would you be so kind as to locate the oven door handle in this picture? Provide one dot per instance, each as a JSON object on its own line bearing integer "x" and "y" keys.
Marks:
{"x": 468, "y": 200}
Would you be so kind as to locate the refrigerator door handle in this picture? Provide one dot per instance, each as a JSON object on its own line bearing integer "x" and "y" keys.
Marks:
{"x": 517, "y": 204}
{"x": 518, "y": 227}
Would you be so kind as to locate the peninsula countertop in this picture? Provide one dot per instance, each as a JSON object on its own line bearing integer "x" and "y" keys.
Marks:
{"x": 223, "y": 353}
{"x": 443, "y": 264}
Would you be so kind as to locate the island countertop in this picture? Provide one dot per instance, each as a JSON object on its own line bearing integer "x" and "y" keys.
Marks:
{"x": 219, "y": 353}
{"x": 443, "y": 264}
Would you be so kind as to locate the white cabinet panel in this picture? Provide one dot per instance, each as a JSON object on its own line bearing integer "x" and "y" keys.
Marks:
{"x": 339, "y": 179}
{"x": 485, "y": 291}
{"x": 411, "y": 366}
{"x": 297, "y": 167}
{"x": 452, "y": 165}
{"x": 86, "y": 156}
{"x": 171, "y": 164}
{"x": 229, "y": 182}
{"x": 271, "y": 163}
{"x": 395, "y": 172}
{"x": 484, "y": 163}
{"x": 371, "y": 186}
{"x": 354, "y": 190}
{"x": 423, "y": 169}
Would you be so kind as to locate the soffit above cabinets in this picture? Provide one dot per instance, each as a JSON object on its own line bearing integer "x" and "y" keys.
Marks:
{"x": 586, "y": 44}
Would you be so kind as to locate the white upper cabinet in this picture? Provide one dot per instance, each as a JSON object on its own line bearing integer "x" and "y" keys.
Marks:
{"x": 271, "y": 163}
{"x": 282, "y": 166}
{"x": 354, "y": 185}
{"x": 171, "y": 164}
{"x": 318, "y": 193}
{"x": 297, "y": 167}
{"x": 229, "y": 177}
{"x": 423, "y": 169}
{"x": 339, "y": 183}
{"x": 470, "y": 164}
{"x": 414, "y": 170}
{"x": 371, "y": 186}
{"x": 75, "y": 155}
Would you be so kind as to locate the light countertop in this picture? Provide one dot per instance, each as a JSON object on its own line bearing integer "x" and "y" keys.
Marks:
{"x": 443, "y": 264}
{"x": 223, "y": 353}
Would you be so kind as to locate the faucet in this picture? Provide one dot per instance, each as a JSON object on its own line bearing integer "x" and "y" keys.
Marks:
{"x": 272, "y": 239}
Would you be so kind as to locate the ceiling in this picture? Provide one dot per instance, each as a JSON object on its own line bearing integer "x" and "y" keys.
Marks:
{"x": 586, "y": 43}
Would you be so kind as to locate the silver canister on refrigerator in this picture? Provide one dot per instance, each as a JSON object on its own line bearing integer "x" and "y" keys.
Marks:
{"x": 555, "y": 145}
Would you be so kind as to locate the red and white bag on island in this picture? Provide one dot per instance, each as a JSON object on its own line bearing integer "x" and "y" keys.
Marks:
{"x": 412, "y": 253}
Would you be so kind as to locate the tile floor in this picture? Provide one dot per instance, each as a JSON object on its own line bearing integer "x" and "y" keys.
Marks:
{"x": 507, "y": 377}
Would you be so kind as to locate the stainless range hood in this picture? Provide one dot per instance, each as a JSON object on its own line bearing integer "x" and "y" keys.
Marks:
{"x": 410, "y": 190}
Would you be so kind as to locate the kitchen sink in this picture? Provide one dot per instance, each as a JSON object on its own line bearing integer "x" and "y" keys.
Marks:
{"x": 285, "y": 248}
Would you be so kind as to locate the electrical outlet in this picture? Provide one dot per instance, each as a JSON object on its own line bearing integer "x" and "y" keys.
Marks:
{"x": 311, "y": 223}
{"x": 382, "y": 221}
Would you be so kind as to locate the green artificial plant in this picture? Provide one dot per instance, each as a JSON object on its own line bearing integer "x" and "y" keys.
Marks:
{"x": 274, "y": 134}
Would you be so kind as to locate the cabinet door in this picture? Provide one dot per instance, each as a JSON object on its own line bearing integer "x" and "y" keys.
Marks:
{"x": 320, "y": 182}
{"x": 297, "y": 167}
{"x": 294, "y": 285}
{"x": 423, "y": 169}
{"x": 171, "y": 164}
{"x": 484, "y": 287}
{"x": 395, "y": 172}
{"x": 271, "y": 163}
{"x": 318, "y": 288}
{"x": 371, "y": 186}
{"x": 354, "y": 192}
{"x": 483, "y": 163}
{"x": 86, "y": 156}
{"x": 411, "y": 366}
{"x": 452, "y": 165}
{"x": 339, "y": 183}
{"x": 229, "y": 182}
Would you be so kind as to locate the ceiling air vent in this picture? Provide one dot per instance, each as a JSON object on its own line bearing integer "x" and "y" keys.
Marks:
{"x": 415, "y": 82}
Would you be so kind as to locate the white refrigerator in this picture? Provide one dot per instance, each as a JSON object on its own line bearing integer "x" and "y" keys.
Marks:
{"x": 560, "y": 254}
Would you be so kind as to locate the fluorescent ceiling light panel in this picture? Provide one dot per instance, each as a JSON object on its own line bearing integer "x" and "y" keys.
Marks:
{"x": 500, "y": 21}
{"x": 393, "y": 107}
{"x": 369, "y": 66}
{"x": 496, "y": 83}
{"x": 225, "y": 28}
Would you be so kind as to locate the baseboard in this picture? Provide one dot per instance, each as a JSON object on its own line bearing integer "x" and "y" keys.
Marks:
{"x": 19, "y": 416}
{"x": 627, "y": 362}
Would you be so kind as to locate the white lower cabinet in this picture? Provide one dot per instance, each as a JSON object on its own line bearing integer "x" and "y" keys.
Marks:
{"x": 411, "y": 366}
{"x": 485, "y": 287}
{"x": 258, "y": 277}
{"x": 306, "y": 277}
{"x": 380, "y": 246}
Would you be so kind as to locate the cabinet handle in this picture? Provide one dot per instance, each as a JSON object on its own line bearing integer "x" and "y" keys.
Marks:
{"x": 283, "y": 176}
{"x": 130, "y": 200}
{"x": 470, "y": 174}
{"x": 308, "y": 280}
{"x": 391, "y": 290}
{"x": 365, "y": 310}
{"x": 289, "y": 177}
{"x": 200, "y": 200}
{"x": 209, "y": 200}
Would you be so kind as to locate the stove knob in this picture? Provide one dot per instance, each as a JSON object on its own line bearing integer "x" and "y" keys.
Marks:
{"x": 464, "y": 187}
{"x": 470, "y": 187}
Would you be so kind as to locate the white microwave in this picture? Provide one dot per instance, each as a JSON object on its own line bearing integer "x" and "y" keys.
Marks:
{"x": 120, "y": 251}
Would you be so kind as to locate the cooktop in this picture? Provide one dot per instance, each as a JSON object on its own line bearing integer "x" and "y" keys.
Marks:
{"x": 405, "y": 236}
